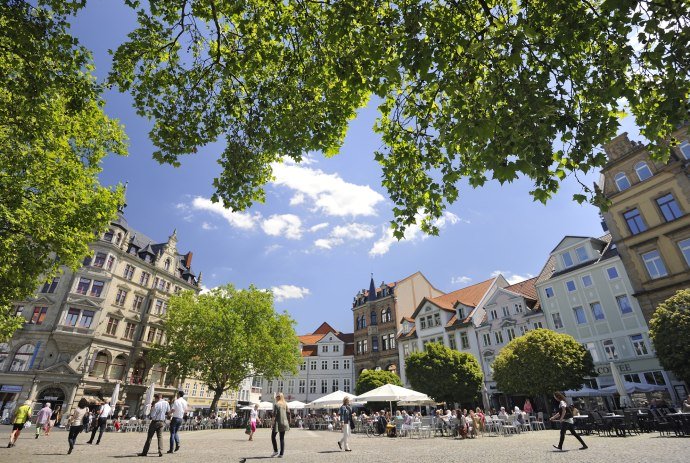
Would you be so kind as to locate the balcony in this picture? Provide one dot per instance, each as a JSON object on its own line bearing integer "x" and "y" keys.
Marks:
{"x": 76, "y": 330}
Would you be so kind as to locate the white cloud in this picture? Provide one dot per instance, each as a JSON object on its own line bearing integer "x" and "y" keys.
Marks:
{"x": 271, "y": 248}
{"x": 511, "y": 277}
{"x": 342, "y": 233}
{"x": 329, "y": 193}
{"x": 297, "y": 199}
{"x": 318, "y": 226}
{"x": 460, "y": 280}
{"x": 283, "y": 292}
{"x": 413, "y": 233}
{"x": 208, "y": 226}
{"x": 240, "y": 220}
{"x": 288, "y": 225}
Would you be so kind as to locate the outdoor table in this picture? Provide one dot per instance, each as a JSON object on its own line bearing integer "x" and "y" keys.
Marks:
{"x": 616, "y": 421}
{"x": 582, "y": 419}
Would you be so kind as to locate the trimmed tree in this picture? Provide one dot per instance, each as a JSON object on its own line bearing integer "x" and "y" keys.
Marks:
{"x": 225, "y": 336}
{"x": 53, "y": 137}
{"x": 541, "y": 362}
{"x": 669, "y": 329}
{"x": 371, "y": 379}
{"x": 445, "y": 374}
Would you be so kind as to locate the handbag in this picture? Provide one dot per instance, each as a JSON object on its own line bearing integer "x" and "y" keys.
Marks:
{"x": 248, "y": 429}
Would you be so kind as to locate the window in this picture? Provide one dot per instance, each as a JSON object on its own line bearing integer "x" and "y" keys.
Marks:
{"x": 303, "y": 366}
{"x": 346, "y": 364}
{"x": 129, "y": 331}
{"x": 537, "y": 325}
{"x": 111, "y": 328}
{"x": 643, "y": 172}
{"x": 655, "y": 266}
{"x": 111, "y": 261}
{"x": 194, "y": 390}
{"x": 100, "y": 363}
{"x": 138, "y": 300}
{"x": 18, "y": 312}
{"x": 167, "y": 264}
{"x": 634, "y": 220}
{"x": 97, "y": 288}
{"x": 108, "y": 236}
{"x": 346, "y": 385}
{"x": 336, "y": 348}
{"x": 622, "y": 181}
{"x": 151, "y": 336}
{"x": 487, "y": 339}
{"x": 269, "y": 387}
{"x": 597, "y": 311}
{"x": 336, "y": 365}
{"x": 437, "y": 319}
{"x": 581, "y": 254}
{"x": 592, "y": 348}
{"x": 567, "y": 259}
{"x": 117, "y": 368}
{"x": 580, "y": 316}
{"x": 464, "y": 340}
{"x": 23, "y": 358}
{"x": 461, "y": 313}
{"x": 324, "y": 348}
{"x": 335, "y": 386}
{"x": 685, "y": 249}
{"x": 655, "y": 377}
{"x": 375, "y": 344}
{"x": 511, "y": 334}
{"x": 499, "y": 337}
{"x": 39, "y": 315}
{"x": 144, "y": 278}
{"x": 324, "y": 386}
{"x": 99, "y": 260}
{"x": 312, "y": 365}
{"x": 406, "y": 350}
{"x": 612, "y": 273}
{"x": 302, "y": 386}
{"x": 548, "y": 291}
{"x": 422, "y": 323}
{"x": 4, "y": 354}
{"x": 312, "y": 386}
{"x": 610, "y": 350}
{"x": 570, "y": 285}
{"x": 50, "y": 286}
{"x": 587, "y": 281}
{"x": 365, "y": 346}
{"x": 86, "y": 319}
{"x": 388, "y": 341}
{"x": 451, "y": 342}
{"x": 685, "y": 149}
{"x": 506, "y": 311}
{"x": 128, "y": 273}
{"x": 557, "y": 322}
{"x": 120, "y": 297}
{"x": 373, "y": 317}
{"x": 518, "y": 307}
{"x": 83, "y": 285}
{"x": 669, "y": 207}
{"x": 624, "y": 304}
{"x": 494, "y": 314}
{"x": 639, "y": 345}
{"x": 72, "y": 317}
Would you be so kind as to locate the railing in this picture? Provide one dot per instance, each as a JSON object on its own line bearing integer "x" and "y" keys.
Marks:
{"x": 75, "y": 329}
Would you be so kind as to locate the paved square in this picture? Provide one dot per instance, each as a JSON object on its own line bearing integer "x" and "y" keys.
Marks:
{"x": 320, "y": 446}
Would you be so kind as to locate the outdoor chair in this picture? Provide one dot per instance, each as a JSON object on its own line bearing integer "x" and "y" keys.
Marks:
{"x": 537, "y": 422}
{"x": 600, "y": 424}
{"x": 508, "y": 427}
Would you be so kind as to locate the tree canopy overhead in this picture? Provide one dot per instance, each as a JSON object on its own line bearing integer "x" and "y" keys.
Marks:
{"x": 541, "y": 362}
{"x": 226, "y": 336}
{"x": 474, "y": 89}
{"x": 669, "y": 329}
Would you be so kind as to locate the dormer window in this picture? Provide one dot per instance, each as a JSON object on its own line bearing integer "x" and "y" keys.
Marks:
{"x": 643, "y": 172}
{"x": 461, "y": 313}
{"x": 567, "y": 259}
{"x": 685, "y": 149}
{"x": 581, "y": 253}
{"x": 167, "y": 264}
{"x": 622, "y": 181}
{"x": 108, "y": 236}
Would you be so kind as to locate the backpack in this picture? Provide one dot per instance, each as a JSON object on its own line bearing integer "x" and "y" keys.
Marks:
{"x": 568, "y": 412}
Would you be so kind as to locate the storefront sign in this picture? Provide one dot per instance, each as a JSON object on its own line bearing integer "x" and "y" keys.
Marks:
{"x": 606, "y": 369}
{"x": 10, "y": 388}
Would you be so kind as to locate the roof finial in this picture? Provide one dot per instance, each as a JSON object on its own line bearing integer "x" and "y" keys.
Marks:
{"x": 121, "y": 209}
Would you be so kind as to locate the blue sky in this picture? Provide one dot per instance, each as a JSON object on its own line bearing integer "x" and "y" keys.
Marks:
{"x": 323, "y": 229}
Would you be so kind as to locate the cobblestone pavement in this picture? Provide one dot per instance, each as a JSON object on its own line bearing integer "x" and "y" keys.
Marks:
{"x": 321, "y": 446}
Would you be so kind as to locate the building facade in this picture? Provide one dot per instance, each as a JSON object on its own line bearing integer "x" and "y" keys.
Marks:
{"x": 88, "y": 329}
{"x": 199, "y": 396}
{"x": 327, "y": 366}
{"x": 378, "y": 313}
{"x": 584, "y": 291}
{"x": 648, "y": 217}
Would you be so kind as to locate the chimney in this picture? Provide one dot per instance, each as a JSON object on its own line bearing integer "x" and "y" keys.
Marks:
{"x": 188, "y": 260}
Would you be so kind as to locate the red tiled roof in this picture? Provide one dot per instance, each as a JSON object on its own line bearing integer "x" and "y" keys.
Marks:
{"x": 309, "y": 339}
{"x": 469, "y": 296}
{"x": 410, "y": 334}
{"x": 325, "y": 328}
{"x": 309, "y": 351}
{"x": 527, "y": 288}
{"x": 349, "y": 349}
{"x": 409, "y": 319}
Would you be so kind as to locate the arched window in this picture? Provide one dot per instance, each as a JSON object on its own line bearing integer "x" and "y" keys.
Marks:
{"x": 373, "y": 317}
{"x": 4, "y": 353}
{"x": 100, "y": 365}
{"x": 157, "y": 373}
{"x": 642, "y": 169}
{"x": 357, "y": 322}
{"x": 167, "y": 264}
{"x": 118, "y": 238}
{"x": 364, "y": 321}
{"x": 108, "y": 236}
{"x": 117, "y": 370}
{"x": 22, "y": 358}
{"x": 622, "y": 181}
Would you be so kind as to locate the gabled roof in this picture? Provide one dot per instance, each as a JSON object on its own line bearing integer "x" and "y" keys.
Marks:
{"x": 549, "y": 270}
{"x": 409, "y": 335}
{"x": 570, "y": 237}
{"x": 525, "y": 288}
{"x": 454, "y": 322}
{"x": 469, "y": 296}
{"x": 325, "y": 328}
{"x": 310, "y": 340}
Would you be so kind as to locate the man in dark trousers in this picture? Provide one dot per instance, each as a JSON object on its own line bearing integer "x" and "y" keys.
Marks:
{"x": 103, "y": 414}
{"x": 159, "y": 411}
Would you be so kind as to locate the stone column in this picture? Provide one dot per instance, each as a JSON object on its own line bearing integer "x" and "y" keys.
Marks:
{"x": 69, "y": 403}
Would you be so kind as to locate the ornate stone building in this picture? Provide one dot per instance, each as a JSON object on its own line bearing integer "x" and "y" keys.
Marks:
{"x": 648, "y": 217}
{"x": 88, "y": 329}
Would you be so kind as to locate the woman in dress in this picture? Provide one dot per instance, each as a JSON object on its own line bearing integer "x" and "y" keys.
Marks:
{"x": 76, "y": 421}
{"x": 253, "y": 421}
{"x": 281, "y": 424}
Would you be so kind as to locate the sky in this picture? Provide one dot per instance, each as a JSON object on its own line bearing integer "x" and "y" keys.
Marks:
{"x": 323, "y": 230}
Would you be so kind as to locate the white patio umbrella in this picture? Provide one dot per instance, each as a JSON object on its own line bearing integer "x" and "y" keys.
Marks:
{"x": 391, "y": 393}
{"x": 296, "y": 405}
{"x": 247, "y": 407}
{"x": 620, "y": 386}
{"x": 149, "y": 398}
{"x": 485, "y": 397}
{"x": 587, "y": 392}
{"x": 265, "y": 405}
{"x": 332, "y": 400}
{"x": 116, "y": 395}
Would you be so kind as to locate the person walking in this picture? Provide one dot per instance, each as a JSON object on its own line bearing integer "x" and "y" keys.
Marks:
{"x": 43, "y": 419}
{"x": 102, "y": 417}
{"x": 565, "y": 417}
{"x": 253, "y": 421}
{"x": 281, "y": 424}
{"x": 54, "y": 419}
{"x": 159, "y": 411}
{"x": 346, "y": 420}
{"x": 21, "y": 416}
{"x": 76, "y": 422}
{"x": 178, "y": 409}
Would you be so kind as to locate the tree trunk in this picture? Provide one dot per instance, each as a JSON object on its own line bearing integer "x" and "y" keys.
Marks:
{"x": 216, "y": 397}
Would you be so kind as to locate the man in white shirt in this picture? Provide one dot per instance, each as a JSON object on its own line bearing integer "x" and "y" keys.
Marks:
{"x": 103, "y": 414}
{"x": 159, "y": 411}
{"x": 179, "y": 408}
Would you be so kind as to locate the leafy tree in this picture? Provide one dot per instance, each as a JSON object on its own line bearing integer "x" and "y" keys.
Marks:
{"x": 371, "y": 379}
{"x": 541, "y": 362}
{"x": 445, "y": 374}
{"x": 669, "y": 329}
{"x": 226, "y": 336}
{"x": 53, "y": 136}
{"x": 474, "y": 89}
